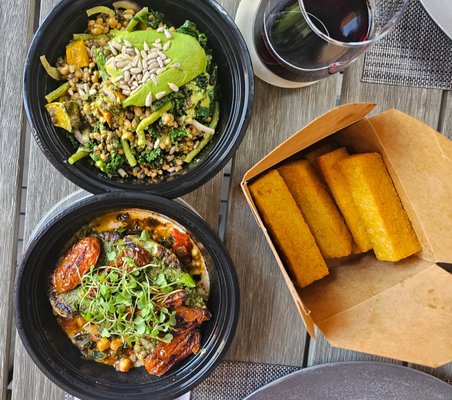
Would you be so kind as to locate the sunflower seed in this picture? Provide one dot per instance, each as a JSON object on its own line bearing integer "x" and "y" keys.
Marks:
{"x": 159, "y": 71}
{"x": 153, "y": 65}
{"x": 152, "y": 54}
{"x": 121, "y": 64}
{"x": 127, "y": 43}
{"x": 135, "y": 61}
{"x": 126, "y": 92}
{"x": 162, "y": 55}
{"x": 112, "y": 48}
{"x": 136, "y": 70}
{"x": 117, "y": 79}
{"x": 146, "y": 46}
{"x": 157, "y": 46}
{"x": 148, "y": 101}
{"x": 130, "y": 52}
{"x": 139, "y": 77}
{"x": 110, "y": 94}
{"x": 157, "y": 142}
{"x": 167, "y": 61}
{"x": 144, "y": 64}
{"x": 146, "y": 76}
{"x": 109, "y": 61}
{"x": 160, "y": 29}
{"x": 167, "y": 33}
{"x": 126, "y": 76}
{"x": 143, "y": 54}
{"x": 157, "y": 41}
{"x": 127, "y": 68}
{"x": 123, "y": 50}
{"x": 154, "y": 79}
{"x": 152, "y": 71}
{"x": 173, "y": 87}
{"x": 160, "y": 61}
{"x": 175, "y": 65}
{"x": 92, "y": 92}
{"x": 159, "y": 95}
{"x": 117, "y": 45}
{"x": 167, "y": 45}
{"x": 137, "y": 52}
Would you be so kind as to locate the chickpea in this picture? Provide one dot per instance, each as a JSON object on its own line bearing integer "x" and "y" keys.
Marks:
{"x": 103, "y": 344}
{"x": 138, "y": 111}
{"x": 125, "y": 364}
{"x": 112, "y": 23}
{"x": 116, "y": 344}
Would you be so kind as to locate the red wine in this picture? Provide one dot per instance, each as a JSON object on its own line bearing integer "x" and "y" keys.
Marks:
{"x": 289, "y": 47}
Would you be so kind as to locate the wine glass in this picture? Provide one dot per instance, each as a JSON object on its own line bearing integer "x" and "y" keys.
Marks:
{"x": 298, "y": 42}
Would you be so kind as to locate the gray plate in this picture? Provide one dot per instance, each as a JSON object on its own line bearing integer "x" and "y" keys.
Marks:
{"x": 441, "y": 13}
{"x": 355, "y": 381}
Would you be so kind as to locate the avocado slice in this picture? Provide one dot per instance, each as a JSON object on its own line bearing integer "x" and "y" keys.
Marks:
{"x": 184, "y": 50}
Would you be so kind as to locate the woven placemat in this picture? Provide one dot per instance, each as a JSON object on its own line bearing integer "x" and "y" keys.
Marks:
{"x": 233, "y": 380}
{"x": 417, "y": 53}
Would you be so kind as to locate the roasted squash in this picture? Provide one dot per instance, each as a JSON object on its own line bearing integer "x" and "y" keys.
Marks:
{"x": 76, "y": 54}
{"x": 59, "y": 115}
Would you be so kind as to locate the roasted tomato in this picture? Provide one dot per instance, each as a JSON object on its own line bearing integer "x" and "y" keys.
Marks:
{"x": 77, "y": 262}
{"x": 190, "y": 317}
{"x": 182, "y": 246}
{"x": 166, "y": 355}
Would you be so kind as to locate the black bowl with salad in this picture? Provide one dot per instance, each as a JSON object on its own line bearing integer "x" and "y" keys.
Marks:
{"x": 126, "y": 295}
{"x": 138, "y": 95}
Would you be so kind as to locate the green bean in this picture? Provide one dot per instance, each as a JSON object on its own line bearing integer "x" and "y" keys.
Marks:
{"x": 128, "y": 153}
{"x": 149, "y": 121}
{"x": 58, "y": 92}
{"x": 134, "y": 22}
{"x": 77, "y": 156}
{"x": 207, "y": 136}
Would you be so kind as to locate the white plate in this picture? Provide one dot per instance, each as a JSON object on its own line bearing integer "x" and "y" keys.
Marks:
{"x": 441, "y": 13}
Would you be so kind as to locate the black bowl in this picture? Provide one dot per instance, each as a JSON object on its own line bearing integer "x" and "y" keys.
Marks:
{"x": 235, "y": 78}
{"x": 61, "y": 361}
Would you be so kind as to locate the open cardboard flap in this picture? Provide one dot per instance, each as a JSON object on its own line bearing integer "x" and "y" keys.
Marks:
{"x": 399, "y": 310}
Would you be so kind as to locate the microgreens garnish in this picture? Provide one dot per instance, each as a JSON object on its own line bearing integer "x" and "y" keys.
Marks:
{"x": 126, "y": 300}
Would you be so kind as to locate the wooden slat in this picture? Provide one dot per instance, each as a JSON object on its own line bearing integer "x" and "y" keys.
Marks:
{"x": 16, "y": 25}
{"x": 269, "y": 329}
{"x": 445, "y": 123}
{"x": 424, "y": 104}
{"x": 29, "y": 383}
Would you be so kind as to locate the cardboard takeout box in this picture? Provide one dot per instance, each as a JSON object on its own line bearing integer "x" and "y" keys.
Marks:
{"x": 399, "y": 310}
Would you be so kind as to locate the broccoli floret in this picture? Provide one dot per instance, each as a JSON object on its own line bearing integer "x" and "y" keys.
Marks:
{"x": 178, "y": 100}
{"x": 178, "y": 133}
{"x": 90, "y": 145}
{"x": 153, "y": 158}
{"x": 190, "y": 28}
{"x": 151, "y": 18}
{"x": 111, "y": 166}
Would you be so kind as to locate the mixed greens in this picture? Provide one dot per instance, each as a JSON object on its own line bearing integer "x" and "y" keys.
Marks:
{"x": 141, "y": 95}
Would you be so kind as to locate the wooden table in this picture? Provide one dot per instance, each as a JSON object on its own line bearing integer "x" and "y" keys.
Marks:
{"x": 269, "y": 329}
